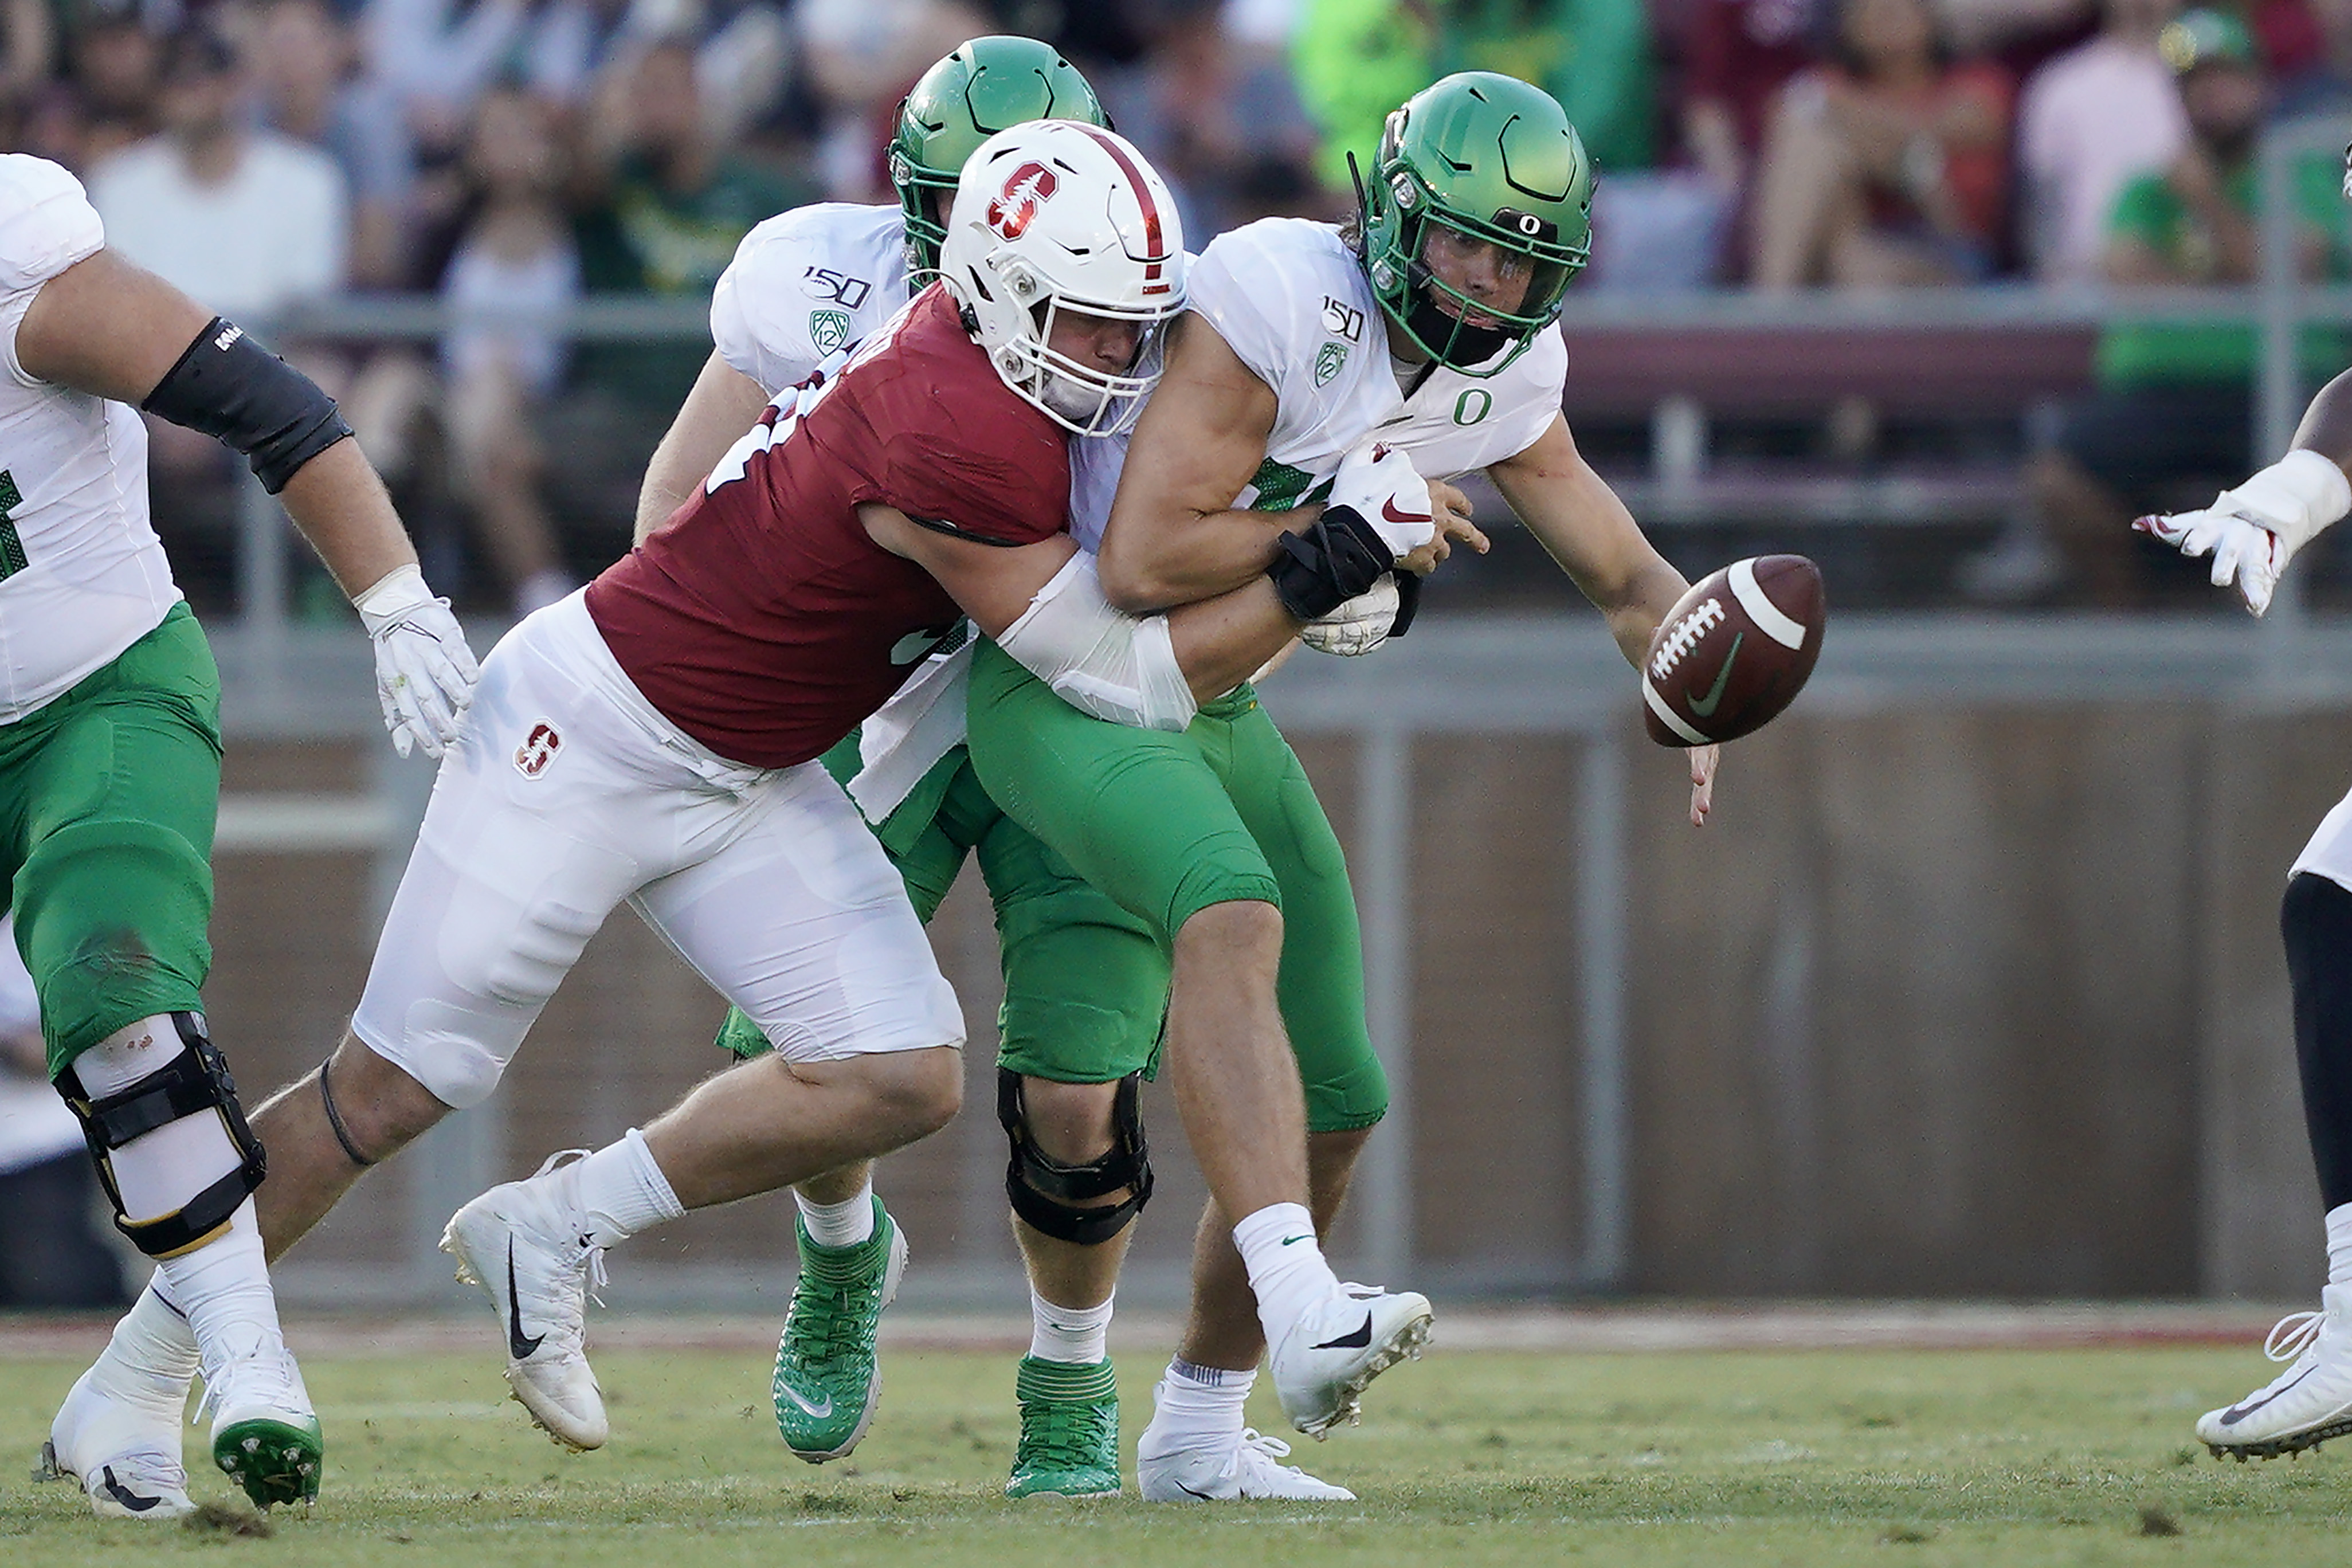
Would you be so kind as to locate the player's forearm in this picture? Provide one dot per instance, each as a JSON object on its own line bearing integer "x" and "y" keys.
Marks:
{"x": 723, "y": 404}
{"x": 1635, "y": 616}
{"x": 340, "y": 507}
{"x": 1152, "y": 563}
{"x": 1220, "y": 642}
{"x": 2326, "y": 426}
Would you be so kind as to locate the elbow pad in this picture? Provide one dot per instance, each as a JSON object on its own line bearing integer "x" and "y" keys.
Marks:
{"x": 1098, "y": 658}
{"x": 229, "y": 387}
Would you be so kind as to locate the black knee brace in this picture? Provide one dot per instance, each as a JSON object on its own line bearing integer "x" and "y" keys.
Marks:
{"x": 193, "y": 1082}
{"x": 1046, "y": 1194}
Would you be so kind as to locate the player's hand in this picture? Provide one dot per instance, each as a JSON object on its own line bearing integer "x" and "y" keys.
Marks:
{"x": 1358, "y": 626}
{"x": 2244, "y": 552}
{"x": 1703, "y": 760}
{"x": 1379, "y": 484}
{"x": 425, "y": 673}
{"x": 2253, "y": 530}
{"x": 1451, "y": 511}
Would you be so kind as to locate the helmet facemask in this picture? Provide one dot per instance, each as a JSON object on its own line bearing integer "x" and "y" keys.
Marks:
{"x": 1082, "y": 398}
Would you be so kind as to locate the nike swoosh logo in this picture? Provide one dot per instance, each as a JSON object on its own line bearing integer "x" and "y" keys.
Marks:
{"x": 125, "y": 1495}
{"x": 1389, "y": 511}
{"x": 1188, "y": 1491}
{"x": 518, "y": 1344}
{"x": 1354, "y": 1342}
{"x": 1289, "y": 1239}
{"x": 818, "y": 1410}
{"x": 914, "y": 647}
{"x": 2231, "y": 1416}
{"x": 1704, "y": 707}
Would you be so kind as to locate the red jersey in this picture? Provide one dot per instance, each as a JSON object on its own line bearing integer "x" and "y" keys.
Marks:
{"x": 761, "y": 620}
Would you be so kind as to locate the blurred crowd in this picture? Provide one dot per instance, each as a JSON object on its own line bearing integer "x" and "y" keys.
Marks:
{"x": 514, "y": 154}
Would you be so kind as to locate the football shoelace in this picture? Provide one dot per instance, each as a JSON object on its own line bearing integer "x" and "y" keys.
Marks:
{"x": 1065, "y": 1434}
{"x": 832, "y": 1332}
{"x": 2293, "y": 1334}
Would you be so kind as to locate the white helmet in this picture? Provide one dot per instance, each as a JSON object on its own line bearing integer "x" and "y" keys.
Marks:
{"x": 1053, "y": 215}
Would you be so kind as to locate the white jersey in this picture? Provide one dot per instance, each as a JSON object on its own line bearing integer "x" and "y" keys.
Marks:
{"x": 806, "y": 284}
{"x": 82, "y": 575}
{"x": 1296, "y": 308}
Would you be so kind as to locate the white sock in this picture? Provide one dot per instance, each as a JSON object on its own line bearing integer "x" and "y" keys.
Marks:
{"x": 224, "y": 1289}
{"x": 1285, "y": 1266}
{"x": 1078, "y": 1335}
{"x": 1198, "y": 1407}
{"x": 156, "y": 1173}
{"x": 844, "y": 1223}
{"x": 2339, "y": 1245}
{"x": 153, "y": 1337}
{"x": 622, "y": 1191}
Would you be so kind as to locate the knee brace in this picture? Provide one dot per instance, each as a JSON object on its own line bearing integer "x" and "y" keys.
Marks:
{"x": 1046, "y": 1194}
{"x": 194, "y": 1083}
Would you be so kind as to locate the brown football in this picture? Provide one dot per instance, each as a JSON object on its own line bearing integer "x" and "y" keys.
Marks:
{"x": 1734, "y": 651}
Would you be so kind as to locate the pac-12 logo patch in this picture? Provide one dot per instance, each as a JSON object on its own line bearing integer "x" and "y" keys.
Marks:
{"x": 538, "y": 750}
{"x": 1032, "y": 187}
{"x": 828, "y": 330}
{"x": 1328, "y": 361}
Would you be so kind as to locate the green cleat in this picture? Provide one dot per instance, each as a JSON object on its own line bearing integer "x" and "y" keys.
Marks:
{"x": 273, "y": 1462}
{"x": 826, "y": 1383}
{"x": 1069, "y": 1431}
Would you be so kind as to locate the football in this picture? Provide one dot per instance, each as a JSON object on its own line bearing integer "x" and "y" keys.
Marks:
{"x": 1734, "y": 651}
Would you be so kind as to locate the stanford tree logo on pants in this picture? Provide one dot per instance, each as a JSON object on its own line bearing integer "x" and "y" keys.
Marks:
{"x": 538, "y": 750}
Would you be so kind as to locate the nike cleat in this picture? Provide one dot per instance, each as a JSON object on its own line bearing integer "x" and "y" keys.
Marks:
{"x": 827, "y": 1382}
{"x": 118, "y": 1432}
{"x": 1242, "y": 1466}
{"x": 2304, "y": 1405}
{"x": 1069, "y": 1430}
{"x": 1323, "y": 1365}
{"x": 265, "y": 1436}
{"x": 527, "y": 1245}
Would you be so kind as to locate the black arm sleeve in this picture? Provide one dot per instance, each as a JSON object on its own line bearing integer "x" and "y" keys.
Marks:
{"x": 229, "y": 387}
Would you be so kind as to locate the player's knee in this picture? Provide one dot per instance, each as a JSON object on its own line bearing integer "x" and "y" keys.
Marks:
{"x": 1236, "y": 928}
{"x": 918, "y": 1091}
{"x": 1080, "y": 1170}
{"x": 160, "y": 1114}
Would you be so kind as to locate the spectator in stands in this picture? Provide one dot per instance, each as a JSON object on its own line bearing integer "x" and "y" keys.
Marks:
{"x": 1357, "y": 59}
{"x": 514, "y": 271}
{"x": 308, "y": 89}
{"x": 29, "y": 32}
{"x": 1221, "y": 123}
{"x": 2089, "y": 123}
{"x": 116, "y": 60}
{"x": 861, "y": 57}
{"x": 669, "y": 206}
{"x": 1742, "y": 52}
{"x": 51, "y": 1257}
{"x": 2325, "y": 84}
{"x": 1888, "y": 168}
{"x": 246, "y": 220}
{"x": 2172, "y": 421}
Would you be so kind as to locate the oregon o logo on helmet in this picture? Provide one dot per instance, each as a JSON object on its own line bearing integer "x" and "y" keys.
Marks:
{"x": 1032, "y": 186}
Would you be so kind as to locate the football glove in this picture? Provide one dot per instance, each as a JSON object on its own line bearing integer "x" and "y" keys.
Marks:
{"x": 1358, "y": 626}
{"x": 1379, "y": 484}
{"x": 2253, "y": 530}
{"x": 425, "y": 673}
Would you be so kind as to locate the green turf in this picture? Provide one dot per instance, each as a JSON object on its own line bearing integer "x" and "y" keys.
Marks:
{"x": 2014, "y": 1458}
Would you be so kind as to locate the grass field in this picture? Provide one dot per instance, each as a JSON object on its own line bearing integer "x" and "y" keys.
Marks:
{"x": 1470, "y": 1458}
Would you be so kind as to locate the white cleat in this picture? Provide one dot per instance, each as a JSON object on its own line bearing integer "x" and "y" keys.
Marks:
{"x": 1242, "y": 1467}
{"x": 2304, "y": 1405}
{"x": 1322, "y": 1365}
{"x": 118, "y": 1433}
{"x": 526, "y": 1244}
{"x": 265, "y": 1431}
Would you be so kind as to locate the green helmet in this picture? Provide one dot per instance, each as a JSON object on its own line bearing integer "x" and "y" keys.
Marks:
{"x": 985, "y": 86}
{"x": 1493, "y": 159}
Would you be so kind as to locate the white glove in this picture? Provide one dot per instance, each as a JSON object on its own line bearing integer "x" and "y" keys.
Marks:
{"x": 1377, "y": 483}
{"x": 425, "y": 673}
{"x": 2253, "y": 530}
{"x": 1357, "y": 626}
